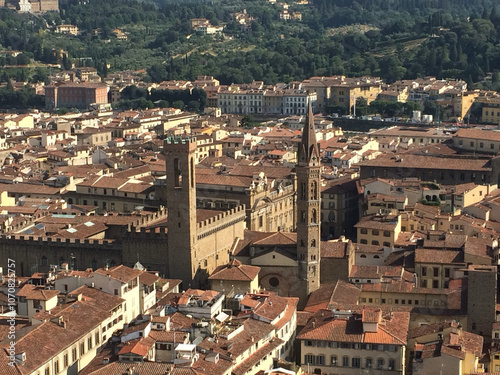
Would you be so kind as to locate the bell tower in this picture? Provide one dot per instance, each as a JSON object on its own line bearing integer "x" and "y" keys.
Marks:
{"x": 308, "y": 171}
{"x": 181, "y": 205}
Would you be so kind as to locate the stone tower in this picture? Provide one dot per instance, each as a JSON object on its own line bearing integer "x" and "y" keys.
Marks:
{"x": 181, "y": 205}
{"x": 308, "y": 206}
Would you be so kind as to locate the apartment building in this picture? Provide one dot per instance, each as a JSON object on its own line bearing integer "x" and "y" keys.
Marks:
{"x": 379, "y": 229}
{"x": 75, "y": 95}
{"x": 261, "y": 101}
{"x": 71, "y": 335}
{"x": 348, "y": 342}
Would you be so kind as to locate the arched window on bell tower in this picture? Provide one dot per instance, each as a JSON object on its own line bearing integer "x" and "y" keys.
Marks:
{"x": 314, "y": 190}
{"x": 314, "y": 216}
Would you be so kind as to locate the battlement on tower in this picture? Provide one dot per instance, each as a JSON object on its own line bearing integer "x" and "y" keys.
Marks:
{"x": 179, "y": 143}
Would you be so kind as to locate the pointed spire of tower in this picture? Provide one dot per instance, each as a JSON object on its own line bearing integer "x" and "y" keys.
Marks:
{"x": 308, "y": 153}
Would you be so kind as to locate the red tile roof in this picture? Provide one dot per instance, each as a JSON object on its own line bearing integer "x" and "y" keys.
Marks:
{"x": 235, "y": 271}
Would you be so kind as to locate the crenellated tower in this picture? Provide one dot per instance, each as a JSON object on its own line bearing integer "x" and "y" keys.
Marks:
{"x": 181, "y": 205}
{"x": 308, "y": 171}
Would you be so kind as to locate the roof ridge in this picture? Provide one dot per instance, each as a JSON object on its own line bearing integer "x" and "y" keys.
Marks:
{"x": 392, "y": 335}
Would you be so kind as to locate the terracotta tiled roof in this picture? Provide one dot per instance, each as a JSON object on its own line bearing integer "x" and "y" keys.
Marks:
{"x": 168, "y": 336}
{"x": 430, "y": 328}
{"x": 334, "y": 249}
{"x": 121, "y": 273}
{"x": 371, "y": 315}
{"x": 80, "y": 318}
{"x": 32, "y": 292}
{"x": 475, "y": 133}
{"x": 392, "y": 329}
{"x": 225, "y": 180}
{"x": 139, "y": 347}
{"x": 278, "y": 238}
{"x": 148, "y": 278}
{"x": 320, "y": 298}
{"x": 202, "y": 295}
{"x": 144, "y": 368}
{"x": 430, "y": 162}
{"x": 235, "y": 271}
{"x": 438, "y": 256}
{"x": 378, "y": 222}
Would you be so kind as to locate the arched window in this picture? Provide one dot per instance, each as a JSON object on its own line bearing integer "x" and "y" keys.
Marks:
{"x": 303, "y": 194}
{"x": 303, "y": 216}
{"x": 313, "y": 243}
{"x": 45, "y": 261}
{"x": 314, "y": 190}
{"x": 314, "y": 216}
{"x": 362, "y": 256}
{"x": 93, "y": 264}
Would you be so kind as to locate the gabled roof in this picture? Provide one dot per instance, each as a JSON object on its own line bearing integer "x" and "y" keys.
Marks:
{"x": 324, "y": 326}
{"x": 235, "y": 271}
{"x": 140, "y": 347}
{"x": 32, "y": 292}
{"x": 121, "y": 273}
{"x": 278, "y": 238}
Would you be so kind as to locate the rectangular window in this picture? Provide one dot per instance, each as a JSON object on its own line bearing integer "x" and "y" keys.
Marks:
{"x": 333, "y": 360}
{"x": 380, "y": 363}
{"x": 73, "y": 354}
{"x": 309, "y": 359}
{"x": 392, "y": 364}
{"x": 424, "y": 271}
{"x": 364, "y": 231}
{"x": 435, "y": 284}
{"x": 368, "y": 363}
{"x": 345, "y": 361}
{"x": 436, "y": 271}
{"x": 320, "y": 360}
{"x": 66, "y": 362}
{"x": 356, "y": 362}
{"x": 375, "y": 232}
{"x": 446, "y": 272}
